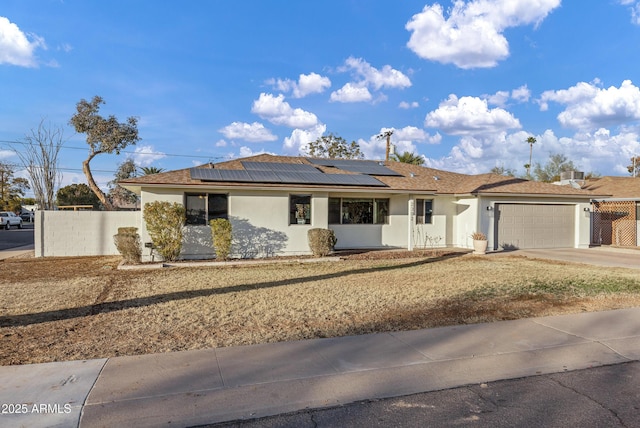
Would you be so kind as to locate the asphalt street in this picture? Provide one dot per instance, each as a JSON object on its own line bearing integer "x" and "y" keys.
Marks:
{"x": 606, "y": 396}
{"x": 16, "y": 237}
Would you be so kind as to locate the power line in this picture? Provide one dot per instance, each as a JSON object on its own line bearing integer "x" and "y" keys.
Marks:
{"x": 121, "y": 151}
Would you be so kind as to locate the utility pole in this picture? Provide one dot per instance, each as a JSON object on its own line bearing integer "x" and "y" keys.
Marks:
{"x": 387, "y": 135}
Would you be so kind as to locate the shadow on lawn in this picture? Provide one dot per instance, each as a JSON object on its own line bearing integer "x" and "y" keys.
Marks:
{"x": 65, "y": 314}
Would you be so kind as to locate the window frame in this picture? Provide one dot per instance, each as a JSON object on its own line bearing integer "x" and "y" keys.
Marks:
{"x": 339, "y": 216}
{"x": 205, "y": 215}
{"x": 294, "y": 218}
{"x": 424, "y": 211}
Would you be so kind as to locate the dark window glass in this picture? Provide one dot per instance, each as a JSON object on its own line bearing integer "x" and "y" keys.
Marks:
{"x": 202, "y": 207}
{"x": 357, "y": 211}
{"x": 424, "y": 211}
{"x": 218, "y": 207}
{"x": 334, "y": 210}
{"x": 300, "y": 209}
{"x": 382, "y": 211}
{"x": 419, "y": 211}
{"x": 196, "y": 208}
{"x": 428, "y": 211}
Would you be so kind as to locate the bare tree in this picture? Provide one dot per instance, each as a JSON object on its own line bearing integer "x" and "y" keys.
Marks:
{"x": 103, "y": 136}
{"x": 40, "y": 159}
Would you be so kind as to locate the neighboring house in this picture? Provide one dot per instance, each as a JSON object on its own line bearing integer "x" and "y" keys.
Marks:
{"x": 272, "y": 201}
{"x": 615, "y": 219}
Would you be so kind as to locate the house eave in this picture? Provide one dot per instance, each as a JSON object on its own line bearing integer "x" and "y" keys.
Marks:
{"x": 526, "y": 195}
{"x": 615, "y": 200}
{"x": 210, "y": 185}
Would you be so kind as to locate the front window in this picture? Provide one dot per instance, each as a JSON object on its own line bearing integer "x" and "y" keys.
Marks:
{"x": 300, "y": 209}
{"x": 424, "y": 211}
{"x": 203, "y": 207}
{"x": 358, "y": 211}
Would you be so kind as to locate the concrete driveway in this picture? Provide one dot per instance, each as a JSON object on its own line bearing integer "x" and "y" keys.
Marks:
{"x": 599, "y": 256}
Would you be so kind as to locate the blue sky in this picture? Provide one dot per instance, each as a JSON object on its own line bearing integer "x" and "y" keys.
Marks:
{"x": 462, "y": 83}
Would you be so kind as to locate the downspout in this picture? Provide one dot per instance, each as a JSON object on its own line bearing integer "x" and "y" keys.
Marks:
{"x": 411, "y": 218}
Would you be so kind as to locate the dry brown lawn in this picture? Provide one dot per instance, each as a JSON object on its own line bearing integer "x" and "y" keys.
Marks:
{"x": 57, "y": 309}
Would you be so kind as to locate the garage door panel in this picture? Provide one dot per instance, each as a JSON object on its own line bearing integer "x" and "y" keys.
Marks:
{"x": 535, "y": 225}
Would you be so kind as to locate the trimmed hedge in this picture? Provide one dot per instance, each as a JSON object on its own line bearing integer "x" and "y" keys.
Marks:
{"x": 128, "y": 244}
{"x": 321, "y": 241}
{"x": 165, "y": 222}
{"x": 221, "y": 234}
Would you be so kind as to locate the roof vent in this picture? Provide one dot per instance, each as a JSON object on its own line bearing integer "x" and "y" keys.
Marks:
{"x": 572, "y": 175}
{"x": 435, "y": 177}
{"x": 411, "y": 174}
{"x": 572, "y": 178}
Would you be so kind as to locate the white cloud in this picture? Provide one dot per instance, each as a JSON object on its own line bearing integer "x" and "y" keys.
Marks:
{"x": 351, "y": 93}
{"x": 590, "y": 106}
{"x": 253, "y": 132}
{"x": 377, "y": 79}
{"x": 246, "y": 152}
{"x": 404, "y": 140}
{"x": 597, "y": 151}
{"x": 15, "y": 46}
{"x": 408, "y": 105}
{"x": 634, "y": 8}
{"x": 6, "y": 154}
{"x": 521, "y": 94}
{"x": 277, "y": 111}
{"x": 145, "y": 155}
{"x": 469, "y": 115}
{"x": 300, "y": 138}
{"x": 307, "y": 84}
{"x": 221, "y": 143}
{"x": 500, "y": 98}
{"x": 368, "y": 77}
{"x": 471, "y": 35}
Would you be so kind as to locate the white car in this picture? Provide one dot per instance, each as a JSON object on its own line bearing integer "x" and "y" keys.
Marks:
{"x": 9, "y": 219}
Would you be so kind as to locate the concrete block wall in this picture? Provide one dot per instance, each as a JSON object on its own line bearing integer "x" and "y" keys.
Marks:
{"x": 80, "y": 233}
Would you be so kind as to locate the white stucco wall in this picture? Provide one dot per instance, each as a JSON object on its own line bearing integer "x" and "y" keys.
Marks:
{"x": 391, "y": 235}
{"x": 440, "y": 232}
{"x": 80, "y": 233}
{"x": 467, "y": 221}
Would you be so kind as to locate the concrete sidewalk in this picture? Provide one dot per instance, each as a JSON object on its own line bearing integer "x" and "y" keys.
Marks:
{"x": 215, "y": 385}
{"x": 17, "y": 252}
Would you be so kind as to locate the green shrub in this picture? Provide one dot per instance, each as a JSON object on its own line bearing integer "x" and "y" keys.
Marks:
{"x": 128, "y": 244}
{"x": 165, "y": 222}
{"x": 221, "y": 234}
{"x": 321, "y": 241}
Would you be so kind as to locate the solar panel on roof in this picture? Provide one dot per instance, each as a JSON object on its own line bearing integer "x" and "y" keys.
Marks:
{"x": 276, "y": 166}
{"x": 281, "y": 177}
{"x": 206, "y": 174}
{"x": 264, "y": 176}
{"x": 360, "y": 166}
{"x": 235, "y": 175}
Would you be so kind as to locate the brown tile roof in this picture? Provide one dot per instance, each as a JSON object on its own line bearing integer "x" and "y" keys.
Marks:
{"x": 617, "y": 187}
{"x": 412, "y": 178}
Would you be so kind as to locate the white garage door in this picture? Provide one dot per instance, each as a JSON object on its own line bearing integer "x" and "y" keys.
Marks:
{"x": 535, "y": 226}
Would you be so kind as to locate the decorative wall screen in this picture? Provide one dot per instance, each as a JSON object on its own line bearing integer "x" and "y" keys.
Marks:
{"x": 614, "y": 223}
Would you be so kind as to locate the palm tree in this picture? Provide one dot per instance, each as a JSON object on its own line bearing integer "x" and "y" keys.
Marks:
{"x": 531, "y": 140}
{"x": 408, "y": 157}
{"x": 148, "y": 170}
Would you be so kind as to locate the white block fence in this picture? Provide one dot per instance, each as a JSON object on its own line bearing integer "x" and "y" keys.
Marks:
{"x": 80, "y": 233}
